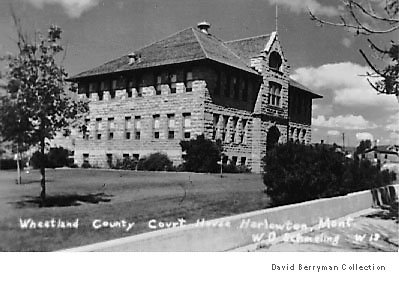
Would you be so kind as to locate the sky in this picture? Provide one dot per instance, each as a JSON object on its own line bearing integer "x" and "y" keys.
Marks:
{"x": 325, "y": 59}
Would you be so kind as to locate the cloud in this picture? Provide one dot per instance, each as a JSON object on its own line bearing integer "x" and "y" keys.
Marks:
{"x": 348, "y": 84}
{"x": 303, "y": 6}
{"x": 347, "y": 122}
{"x": 393, "y": 123}
{"x": 333, "y": 133}
{"x": 364, "y": 136}
{"x": 73, "y": 8}
{"x": 394, "y": 138}
{"x": 346, "y": 42}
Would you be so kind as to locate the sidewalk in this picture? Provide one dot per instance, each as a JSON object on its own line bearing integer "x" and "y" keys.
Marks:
{"x": 373, "y": 230}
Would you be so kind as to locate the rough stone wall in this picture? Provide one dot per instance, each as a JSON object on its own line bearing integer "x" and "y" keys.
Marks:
{"x": 246, "y": 122}
{"x": 265, "y": 115}
{"x": 238, "y": 115}
{"x": 146, "y": 106}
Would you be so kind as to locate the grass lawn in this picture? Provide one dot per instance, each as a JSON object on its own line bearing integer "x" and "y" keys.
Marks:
{"x": 137, "y": 197}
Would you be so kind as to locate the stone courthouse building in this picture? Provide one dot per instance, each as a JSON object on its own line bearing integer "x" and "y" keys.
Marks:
{"x": 188, "y": 84}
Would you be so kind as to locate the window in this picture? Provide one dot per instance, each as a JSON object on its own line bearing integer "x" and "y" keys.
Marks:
{"x": 274, "y": 94}
{"x": 189, "y": 81}
{"x": 86, "y": 129}
{"x": 156, "y": 122}
{"x": 234, "y": 86}
{"x": 292, "y": 134}
{"x": 244, "y": 88}
{"x": 140, "y": 87}
{"x": 85, "y": 158}
{"x": 98, "y": 128}
{"x": 225, "y": 159}
{"x": 93, "y": 87}
{"x": 104, "y": 86}
{"x": 243, "y": 160}
{"x": 215, "y": 125}
{"x": 158, "y": 84}
{"x": 227, "y": 89}
{"x": 172, "y": 82}
{"x": 171, "y": 126}
{"x": 130, "y": 84}
{"x": 386, "y": 156}
{"x": 244, "y": 133}
{"x": 275, "y": 61}
{"x": 83, "y": 88}
{"x": 375, "y": 155}
{"x": 113, "y": 88}
{"x": 126, "y": 157}
{"x": 109, "y": 159}
{"x": 186, "y": 125}
{"x": 303, "y": 135}
{"x": 223, "y": 89}
{"x": 128, "y": 125}
{"x": 234, "y": 160}
{"x": 234, "y": 126}
{"x": 136, "y": 156}
{"x": 137, "y": 127}
{"x": 218, "y": 82}
{"x": 224, "y": 127}
{"x": 111, "y": 128}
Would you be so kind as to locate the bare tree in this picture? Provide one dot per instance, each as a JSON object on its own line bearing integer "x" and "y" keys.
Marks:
{"x": 372, "y": 19}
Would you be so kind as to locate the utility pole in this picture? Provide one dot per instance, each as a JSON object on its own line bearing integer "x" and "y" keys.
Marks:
{"x": 276, "y": 17}
{"x": 343, "y": 142}
{"x": 18, "y": 168}
{"x": 221, "y": 166}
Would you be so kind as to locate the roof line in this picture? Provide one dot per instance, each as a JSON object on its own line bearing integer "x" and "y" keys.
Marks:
{"x": 221, "y": 42}
{"x": 199, "y": 42}
{"x": 246, "y": 38}
{"x": 270, "y": 42}
{"x": 157, "y": 40}
{"x": 228, "y": 48}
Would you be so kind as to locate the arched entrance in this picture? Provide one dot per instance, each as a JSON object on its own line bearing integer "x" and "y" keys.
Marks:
{"x": 273, "y": 136}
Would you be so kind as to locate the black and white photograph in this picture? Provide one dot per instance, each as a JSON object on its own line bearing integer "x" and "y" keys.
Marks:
{"x": 250, "y": 126}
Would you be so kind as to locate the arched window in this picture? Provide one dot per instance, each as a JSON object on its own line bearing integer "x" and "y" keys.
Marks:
{"x": 272, "y": 138}
{"x": 275, "y": 61}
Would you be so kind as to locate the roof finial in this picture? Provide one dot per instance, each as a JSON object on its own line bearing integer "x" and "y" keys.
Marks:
{"x": 276, "y": 15}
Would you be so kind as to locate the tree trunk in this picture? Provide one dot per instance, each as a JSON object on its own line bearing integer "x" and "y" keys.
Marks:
{"x": 19, "y": 178}
{"x": 43, "y": 173}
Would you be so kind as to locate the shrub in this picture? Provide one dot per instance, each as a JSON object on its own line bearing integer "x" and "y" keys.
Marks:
{"x": 233, "y": 168}
{"x": 295, "y": 173}
{"x": 56, "y": 157}
{"x": 9, "y": 163}
{"x": 155, "y": 162}
{"x": 86, "y": 165}
{"x": 202, "y": 155}
{"x": 35, "y": 160}
{"x": 126, "y": 164}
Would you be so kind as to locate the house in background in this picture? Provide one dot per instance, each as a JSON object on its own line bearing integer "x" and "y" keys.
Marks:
{"x": 382, "y": 154}
{"x": 188, "y": 84}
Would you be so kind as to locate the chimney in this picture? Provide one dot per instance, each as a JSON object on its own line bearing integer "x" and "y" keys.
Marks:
{"x": 133, "y": 57}
{"x": 204, "y": 26}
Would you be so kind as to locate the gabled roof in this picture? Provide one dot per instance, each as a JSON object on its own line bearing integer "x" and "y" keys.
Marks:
{"x": 250, "y": 47}
{"x": 294, "y": 83}
{"x": 185, "y": 46}
{"x": 381, "y": 149}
